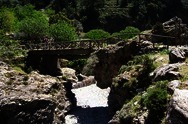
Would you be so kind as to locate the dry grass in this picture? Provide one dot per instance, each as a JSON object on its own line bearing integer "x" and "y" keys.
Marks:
{"x": 160, "y": 58}
{"x": 184, "y": 72}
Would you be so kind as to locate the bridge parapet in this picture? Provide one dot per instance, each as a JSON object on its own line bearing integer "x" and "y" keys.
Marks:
{"x": 87, "y": 43}
{"x": 81, "y": 44}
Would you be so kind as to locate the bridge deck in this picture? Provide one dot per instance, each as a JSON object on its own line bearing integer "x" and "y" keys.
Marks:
{"x": 69, "y": 54}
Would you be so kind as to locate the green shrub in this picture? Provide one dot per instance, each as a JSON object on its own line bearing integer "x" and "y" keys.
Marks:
{"x": 156, "y": 97}
{"x": 77, "y": 64}
{"x": 62, "y": 31}
{"x": 156, "y": 101}
{"x": 9, "y": 48}
{"x": 90, "y": 64}
{"x": 130, "y": 110}
{"x": 97, "y": 34}
{"x": 124, "y": 68}
{"x": 35, "y": 27}
{"x": 127, "y": 33}
{"x": 8, "y": 20}
{"x": 23, "y": 12}
{"x": 140, "y": 67}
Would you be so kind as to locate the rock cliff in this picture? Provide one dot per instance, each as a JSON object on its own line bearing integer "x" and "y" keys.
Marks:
{"x": 105, "y": 63}
{"x": 31, "y": 98}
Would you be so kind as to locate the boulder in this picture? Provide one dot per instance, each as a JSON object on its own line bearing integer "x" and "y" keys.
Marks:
{"x": 85, "y": 82}
{"x": 31, "y": 98}
{"x": 177, "y": 112}
{"x": 166, "y": 72}
{"x": 81, "y": 77}
{"x": 70, "y": 74}
{"x": 172, "y": 85}
{"x": 176, "y": 55}
{"x": 184, "y": 49}
{"x": 146, "y": 46}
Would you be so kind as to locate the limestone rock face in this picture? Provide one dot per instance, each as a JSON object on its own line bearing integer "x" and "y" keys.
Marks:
{"x": 166, "y": 72}
{"x": 178, "y": 110}
{"x": 31, "y": 98}
{"x": 176, "y": 55}
{"x": 119, "y": 94}
{"x": 146, "y": 46}
{"x": 105, "y": 63}
{"x": 172, "y": 85}
{"x": 85, "y": 82}
{"x": 70, "y": 74}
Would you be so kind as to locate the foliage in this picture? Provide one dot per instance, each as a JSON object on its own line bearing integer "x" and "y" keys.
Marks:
{"x": 26, "y": 11}
{"x": 130, "y": 110}
{"x": 9, "y": 49}
{"x": 143, "y": 60}
{"x": 62, "y": 31}
{"x": 49, "y": 12}
{"x": 77, "y": 64}
{"x": 147, "y": 12}
{"x": 148, "y": 67}
{"x": 7, "y": 20}
{"x": 137, "y": 70}
{"x": 156, "y": 98}
{"x": 96, "y": 34}
{"x": 127, "y": 33}
{"x": 34, "y": 27}
{"x": 90, "y": 64}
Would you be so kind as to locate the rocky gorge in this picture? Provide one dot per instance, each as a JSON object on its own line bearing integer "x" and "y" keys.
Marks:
{"x": 145, "y": 84}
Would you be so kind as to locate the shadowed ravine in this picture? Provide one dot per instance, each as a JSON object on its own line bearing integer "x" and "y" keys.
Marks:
{"x": 91, "y": 107}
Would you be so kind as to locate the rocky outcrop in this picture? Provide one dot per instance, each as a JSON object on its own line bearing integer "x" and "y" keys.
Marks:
{"x": 146, "y": 46}
{"x": 166, "y": 72}
{"x": 172, "y": 85}
{"x": 132, "y": 112}
{"x": 185, "y": 50}
{"x": 176, "y": 55}
{"x": 105, "y": 63}
{"x": 31, "y": 98}
{"x": 178, "y": 110}
{"x": 174, "y": 27}
{"x": 70, "y": 74}
{"x": 119, "y": 93}
{"x": 85, "y": 82}
{"x": 77, "y": 81}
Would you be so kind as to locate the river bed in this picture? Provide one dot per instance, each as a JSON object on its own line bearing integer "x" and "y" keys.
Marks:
{"x": 92, "y": 107}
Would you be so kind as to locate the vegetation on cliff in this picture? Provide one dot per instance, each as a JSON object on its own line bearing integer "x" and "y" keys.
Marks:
{"x": 116, "y": 13}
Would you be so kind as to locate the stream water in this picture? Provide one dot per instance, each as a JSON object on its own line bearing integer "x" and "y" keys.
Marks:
{"x": 92, "y": 107}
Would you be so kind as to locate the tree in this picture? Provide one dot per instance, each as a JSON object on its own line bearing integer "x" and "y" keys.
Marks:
{"x": 127, "y": 33}
{"x": 26, "y": 11}
{"x": 97, "y": 34}
{"x": 62, "y": 31}
{"x": 147, "y": 12}
{"x": 7, "y": 20}
{"x": 35, "y": 27}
